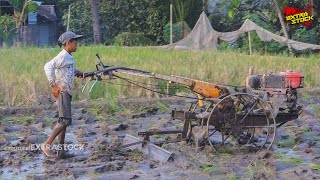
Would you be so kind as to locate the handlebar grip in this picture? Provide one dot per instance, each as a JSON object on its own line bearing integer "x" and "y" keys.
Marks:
{"x": 88, "y": 74}
{"x": 97, "y": 55}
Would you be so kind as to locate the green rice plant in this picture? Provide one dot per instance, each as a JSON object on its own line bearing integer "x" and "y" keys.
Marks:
{"x": 306, "y": 96}
{"x": 315, "y": 166}
{"x": 113, "y": 121}
{"x": 20, "y": 119}
{"x": 94, "y": 174}
{"x": 295, "y": 161}
{"x": 231, "y": 176}
{"x": 305, "y": 129}
{"x": 49, "y": 122}
{"x": 97, "y": 91}
{"x": 289, "y": 142}
{"x": 316, "y": 110}
{"x": 281, "y": 155}
{"x": 211, "y": 169}
{"x": 113, "y": 106}
{"x": 108, "y": 106}
{"x": 23, "y": 82}
{"x": 140, "y": 109}
{"x": 220, "y": 155}
{"x": 314, "y": 138}
{"x": 253, "y": 169}
{"x": 162, "y": 107}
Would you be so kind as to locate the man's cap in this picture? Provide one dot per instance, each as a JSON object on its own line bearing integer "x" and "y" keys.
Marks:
{"x": 67, "y": 36}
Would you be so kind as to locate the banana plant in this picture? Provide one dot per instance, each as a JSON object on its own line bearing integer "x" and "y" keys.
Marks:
{"x": 7, "y": 28}
{"x": 183, "y": 9}
{"x": 21, "y": 9}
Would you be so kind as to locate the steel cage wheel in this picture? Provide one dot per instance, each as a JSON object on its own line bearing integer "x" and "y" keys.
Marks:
{"x": 241, "y": 121}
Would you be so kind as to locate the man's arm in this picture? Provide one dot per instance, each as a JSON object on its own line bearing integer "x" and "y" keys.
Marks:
{"x": 49, "y": 69}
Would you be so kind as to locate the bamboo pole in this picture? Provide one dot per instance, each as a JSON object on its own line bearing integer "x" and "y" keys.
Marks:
{"x": 69, "y": 12}
{"x": 168, "y": 86}
{"x": 171, "y": 41}
{"x": 249, "y": 38}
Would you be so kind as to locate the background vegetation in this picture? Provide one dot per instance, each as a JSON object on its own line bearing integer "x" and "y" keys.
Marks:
{"x": 150, "y": 18}
{"x": 145, "y": 22}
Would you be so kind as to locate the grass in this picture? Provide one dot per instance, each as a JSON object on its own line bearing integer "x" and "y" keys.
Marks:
{"x": 162, "y": 107}
{"x": 23, "y": 82}
{"x": 306, "y": 96}
{"x": 305, "y": 129}
{"x": 211, "y": 169}
{"x": 288, "y": 142}
{"x": 20, "y": 119}
{"x": 49, "y": 121}
{"x": 107, "y": 107}
{"x": 293, "y": 160}
{"x": 315, "y": 166}
{"x": 231, "y": 176}
{"x": 221, "y": 155}
{"x": 94, "y": 174}
{"x": 316, "y": 110}
{"x": 258, "y": 167}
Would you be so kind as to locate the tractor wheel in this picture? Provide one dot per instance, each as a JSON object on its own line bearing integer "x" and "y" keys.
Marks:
{"x": 241, "y": 121}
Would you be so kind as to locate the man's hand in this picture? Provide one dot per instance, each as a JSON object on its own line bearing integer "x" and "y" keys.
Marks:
{"x": 79, "y": 74}
{"x": 55, "y": 90}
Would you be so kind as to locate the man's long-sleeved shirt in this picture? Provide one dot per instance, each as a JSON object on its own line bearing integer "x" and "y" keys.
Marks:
{"x": 63, "y": 67}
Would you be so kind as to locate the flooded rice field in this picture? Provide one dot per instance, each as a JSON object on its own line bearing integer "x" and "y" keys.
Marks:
{"x": 98, "y": 127}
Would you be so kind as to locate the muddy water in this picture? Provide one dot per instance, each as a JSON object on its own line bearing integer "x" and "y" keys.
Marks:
{"x": 295, "y": 154}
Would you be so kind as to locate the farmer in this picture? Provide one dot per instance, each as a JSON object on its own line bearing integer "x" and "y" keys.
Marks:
{"x": 64, "y": 69}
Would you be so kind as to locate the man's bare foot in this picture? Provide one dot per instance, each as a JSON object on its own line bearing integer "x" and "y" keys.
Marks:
{"x": 45, "y": 149}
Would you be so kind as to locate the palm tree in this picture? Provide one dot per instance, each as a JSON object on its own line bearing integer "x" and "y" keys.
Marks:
{"x": 96, "y": 21}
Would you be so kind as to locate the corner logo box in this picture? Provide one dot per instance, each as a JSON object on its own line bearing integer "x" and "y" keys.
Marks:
{"x": 297, "y": 16}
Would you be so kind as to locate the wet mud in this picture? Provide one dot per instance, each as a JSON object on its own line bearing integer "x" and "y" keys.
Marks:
{"x": 98, "y": 128}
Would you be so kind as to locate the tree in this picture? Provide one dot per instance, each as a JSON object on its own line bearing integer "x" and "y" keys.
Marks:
{"x": 283, "y": 26}
{"x": 21, "y": 10}
{"x": 96, "y": 21}
{"x": 205, "y": 6}
{"x": 146, "y": 17}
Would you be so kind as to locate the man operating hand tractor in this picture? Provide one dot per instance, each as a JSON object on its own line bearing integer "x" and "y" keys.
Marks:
{"x": 63, "y": 67}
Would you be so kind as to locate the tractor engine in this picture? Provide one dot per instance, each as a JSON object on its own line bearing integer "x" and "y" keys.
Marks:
{"x": 280, "y": 90}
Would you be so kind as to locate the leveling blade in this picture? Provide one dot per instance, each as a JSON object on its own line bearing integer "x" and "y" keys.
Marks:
{"x": 153, "y": 151}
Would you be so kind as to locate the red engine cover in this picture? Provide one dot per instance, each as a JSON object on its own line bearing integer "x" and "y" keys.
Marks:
{"x": 292, "y": 79}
